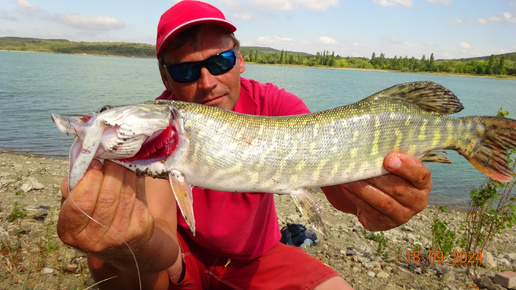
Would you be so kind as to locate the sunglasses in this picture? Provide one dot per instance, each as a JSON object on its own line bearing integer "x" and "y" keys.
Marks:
{"x": 187, "y": 72}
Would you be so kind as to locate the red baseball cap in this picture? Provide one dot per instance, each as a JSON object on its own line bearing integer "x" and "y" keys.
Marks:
{"x": 188, "y": 13}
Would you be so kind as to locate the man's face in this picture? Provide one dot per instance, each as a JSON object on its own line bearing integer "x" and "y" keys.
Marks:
{"x": 213, "y": 90}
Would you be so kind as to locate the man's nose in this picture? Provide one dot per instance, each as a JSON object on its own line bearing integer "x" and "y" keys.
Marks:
{"x": 206, "y": 81}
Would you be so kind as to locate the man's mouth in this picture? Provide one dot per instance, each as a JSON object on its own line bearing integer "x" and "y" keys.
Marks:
{"x": 211, "y": 100}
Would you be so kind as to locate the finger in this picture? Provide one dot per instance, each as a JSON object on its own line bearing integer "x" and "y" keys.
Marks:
{"x": 79, "y": 204}
{"x": 64, "y": 184}
{"x": 64, "y": 190}
{"x": 126, "y": 204}
{"x": 370, "y": 216}
{"x": 411, "y": 187}
{"x": 409, "y": 169}
{"x": 375, "y": 204}
{"x": 109, "y": 194}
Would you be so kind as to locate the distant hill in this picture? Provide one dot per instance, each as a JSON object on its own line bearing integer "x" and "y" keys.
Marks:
{"x": 70, "y": 47}
{"x": 102, "y": 48}
{"x": 137, "y": 49}
{"x": 268, "y": 50}
{"x": 507, "y": 56}
{"x": 502, "y": 65}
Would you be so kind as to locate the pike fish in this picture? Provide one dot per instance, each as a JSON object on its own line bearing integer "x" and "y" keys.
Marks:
{"x": 208, "y": 147}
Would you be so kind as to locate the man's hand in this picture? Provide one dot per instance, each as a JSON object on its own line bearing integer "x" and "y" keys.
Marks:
{"x": 387, "y": 201}
{"x": 115, "y": 198}
{"x": 140, "y": 210}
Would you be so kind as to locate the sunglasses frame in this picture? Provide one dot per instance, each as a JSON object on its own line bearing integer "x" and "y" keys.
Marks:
{"x": 203, "y": 63}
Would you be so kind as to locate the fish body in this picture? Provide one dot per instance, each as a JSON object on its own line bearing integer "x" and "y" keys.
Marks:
{"x": 223, "y": 150}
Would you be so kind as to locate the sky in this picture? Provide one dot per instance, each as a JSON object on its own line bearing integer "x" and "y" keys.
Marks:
{"x": 447, "y": 28}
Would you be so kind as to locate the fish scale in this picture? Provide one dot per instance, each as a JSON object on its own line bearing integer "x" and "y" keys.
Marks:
{"x": 291, "y": 149}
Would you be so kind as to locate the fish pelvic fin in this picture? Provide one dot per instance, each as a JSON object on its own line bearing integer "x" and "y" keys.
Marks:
{"x": 183, "y": 194}
{"x": 309, "y": 208}
{"x": 488, "y": 153}
{"x": 426, "y": 95}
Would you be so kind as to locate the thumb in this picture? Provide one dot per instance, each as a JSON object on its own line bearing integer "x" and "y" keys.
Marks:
{"x": 64, "y": 189}
{"x": 64, "y": 185}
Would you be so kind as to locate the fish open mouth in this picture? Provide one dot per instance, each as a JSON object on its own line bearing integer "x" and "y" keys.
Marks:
{"x": 158, "y": 146}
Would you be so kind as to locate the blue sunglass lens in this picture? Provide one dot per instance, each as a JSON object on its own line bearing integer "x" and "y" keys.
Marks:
{"x": 184, "y": 72}
{"x": 191, "y": 71}
{"x": 220, "y": 64}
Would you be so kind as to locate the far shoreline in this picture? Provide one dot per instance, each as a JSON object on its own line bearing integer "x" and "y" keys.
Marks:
{"x": 500, "y": 77}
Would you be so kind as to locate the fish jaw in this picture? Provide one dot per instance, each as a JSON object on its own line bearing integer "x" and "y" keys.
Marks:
{"x": 123, "y": 134}
{"x": 175, "y": 145}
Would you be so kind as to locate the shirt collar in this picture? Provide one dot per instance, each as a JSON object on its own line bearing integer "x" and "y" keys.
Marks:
{"x": 246, "y": 104}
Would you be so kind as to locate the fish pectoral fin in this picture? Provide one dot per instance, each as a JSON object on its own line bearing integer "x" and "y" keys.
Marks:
{"x": 183, "y": 194}
{"x": 439, "y": 156}
{"x": 309, "y": 208}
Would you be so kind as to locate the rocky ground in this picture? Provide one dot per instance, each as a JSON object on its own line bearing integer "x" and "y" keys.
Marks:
{"x": 33, "y": 257}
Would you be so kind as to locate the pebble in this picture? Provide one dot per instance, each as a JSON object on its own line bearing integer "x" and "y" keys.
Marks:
{"x": 488, "y": 260}
{"x": 382, "y": 274}
{"x": 46, "y": 271}
{"x": 511, "y": 257}
{"x": 448, "y": 277}
{"x": 71, "y": 267}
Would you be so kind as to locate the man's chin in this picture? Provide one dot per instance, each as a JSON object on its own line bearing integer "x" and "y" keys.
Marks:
{"x": 221, "y": 102}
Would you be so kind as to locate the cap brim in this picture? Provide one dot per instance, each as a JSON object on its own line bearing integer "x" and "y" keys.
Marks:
{"x": 227, "y": 25}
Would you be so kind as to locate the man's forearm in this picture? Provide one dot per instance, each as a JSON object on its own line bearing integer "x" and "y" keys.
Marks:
{"x": 153, "y": 261}
{"x": 109, "y": 277}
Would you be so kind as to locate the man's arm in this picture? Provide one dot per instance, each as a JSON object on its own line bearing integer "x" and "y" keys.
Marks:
{"x": 141, "y": 210}
{"x": 387, "y": 201}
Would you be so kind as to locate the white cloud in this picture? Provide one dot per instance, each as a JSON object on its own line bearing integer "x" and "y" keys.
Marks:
{"x": 388, "y": 3}
{"x": 95, "y": 22}
{"x": 392, "y": 41}
{"x": 274, "y": 39}
{"x": 295, "y": 4}
{"x": 503, "y": 18}
{"x": 359, "y": 45}
{"x": 440, "y": 2}
{"x": 459, "y": 21}
{"x": 26, "y": 5}
{"x": 465, "y": 45}
{"x": 327, "y": 40}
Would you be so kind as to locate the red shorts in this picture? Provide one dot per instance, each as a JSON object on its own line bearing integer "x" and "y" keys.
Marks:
{"x": 282, "y": 267}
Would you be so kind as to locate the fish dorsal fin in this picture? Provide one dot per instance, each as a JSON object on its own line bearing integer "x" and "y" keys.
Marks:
{"x": 428, "y": 96}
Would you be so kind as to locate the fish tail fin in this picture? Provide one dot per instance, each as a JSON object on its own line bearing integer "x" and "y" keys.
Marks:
{"x": 309, "y": 208}
{"x": 488, "y": 153}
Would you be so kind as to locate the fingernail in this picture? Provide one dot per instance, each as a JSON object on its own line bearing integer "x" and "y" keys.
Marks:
{"x": 96, "y": 164}
{"x": 395, "y": 162}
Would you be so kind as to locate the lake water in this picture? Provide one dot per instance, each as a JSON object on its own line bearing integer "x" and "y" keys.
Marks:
{"x": 33, "y": 85}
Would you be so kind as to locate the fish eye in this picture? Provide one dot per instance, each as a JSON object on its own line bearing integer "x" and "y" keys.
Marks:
{"x": 105, "y": 108}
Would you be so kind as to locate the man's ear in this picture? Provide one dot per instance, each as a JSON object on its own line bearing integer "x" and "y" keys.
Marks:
{"x": 241, "y": 62}
{"x": 164, "y": 78}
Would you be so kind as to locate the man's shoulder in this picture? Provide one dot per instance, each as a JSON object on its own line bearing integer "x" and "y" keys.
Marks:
{"x": 271, "y": 100}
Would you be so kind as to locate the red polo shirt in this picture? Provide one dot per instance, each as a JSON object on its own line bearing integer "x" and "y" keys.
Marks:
{"x": 241, "y": 225}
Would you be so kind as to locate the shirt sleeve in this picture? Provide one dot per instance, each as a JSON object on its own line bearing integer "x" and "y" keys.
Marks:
{"x": 287, "y": 104}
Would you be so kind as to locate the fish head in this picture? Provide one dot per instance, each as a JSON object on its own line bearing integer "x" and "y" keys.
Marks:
{"x": 142, "y": 137}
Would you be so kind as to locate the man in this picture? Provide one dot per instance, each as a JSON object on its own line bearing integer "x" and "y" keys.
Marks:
{"x": 237, "y": 241}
